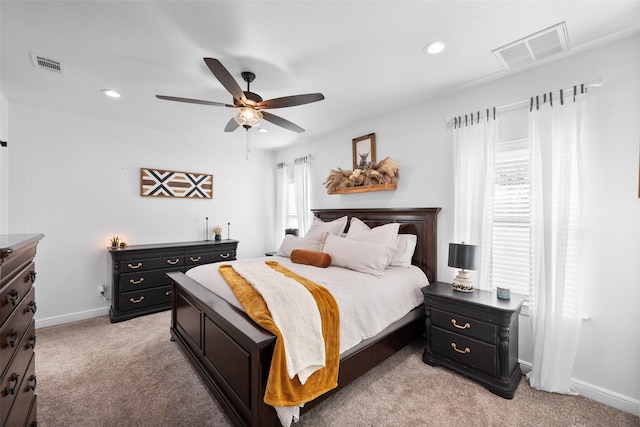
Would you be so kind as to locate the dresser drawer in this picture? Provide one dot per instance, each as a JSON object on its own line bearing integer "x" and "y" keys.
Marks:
{"x": 145, "y": 279}
{"x": 467, "y": 351}
{"x": 145, "y": 298}
{"x": 151, "y": 263}
{"x": 465, "y": 326}
{"x": 16, "y": 260}
{"x": 15, "y": 290}
{"x": 209, "y": 257}
{"x": 11, "y": 384}
{"x": 24, "y": 396}
{"x": 14, "y": 329}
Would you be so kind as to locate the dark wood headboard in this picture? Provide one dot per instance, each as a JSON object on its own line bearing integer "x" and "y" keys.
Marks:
{"x": 423, "y": 222}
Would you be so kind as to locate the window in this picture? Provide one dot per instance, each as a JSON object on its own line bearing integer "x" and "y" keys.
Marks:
{"x": 510, "y": 261}
{"x": 292, "y": 212}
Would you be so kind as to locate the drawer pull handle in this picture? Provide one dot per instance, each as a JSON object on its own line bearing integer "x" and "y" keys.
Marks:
{"x": 135, "y": 301}
{"x": 173, "y": 262}
{"x": 13, "y": 378}
{"x": 466, "y": 349}
{"x": 13, "y": 297}
{"x": 11, "y": 339}
{"x": 32, "y": 276}
{"x": 135, "y": 266}
{"x": 34, "y": 385}
{"x": 465, "y": 326}
{"x": 32, "y": 307}
{"x": 31, "y": 342}
{"x": 136, "y": 282}
{"x": 167, "y": 293}
{"x": 195, "y": 259}
{"x": 225, "y": 256}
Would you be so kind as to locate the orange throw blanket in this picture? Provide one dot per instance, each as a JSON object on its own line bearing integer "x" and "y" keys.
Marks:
{"x": 280, "y": 390}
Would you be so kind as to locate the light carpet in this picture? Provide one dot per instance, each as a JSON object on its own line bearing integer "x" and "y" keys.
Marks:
{"x": 95, "y": 373}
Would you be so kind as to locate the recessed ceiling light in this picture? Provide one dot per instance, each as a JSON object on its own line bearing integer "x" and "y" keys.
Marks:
{"x": 263, "y": 130}
{"x": 434, "y": 47}
{"x": 111, "y": 93}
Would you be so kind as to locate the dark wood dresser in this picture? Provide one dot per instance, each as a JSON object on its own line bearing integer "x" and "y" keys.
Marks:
{"x": 139, "y": 282}
{"x": 475, "y": 334}
{"x": 17, "y": 331}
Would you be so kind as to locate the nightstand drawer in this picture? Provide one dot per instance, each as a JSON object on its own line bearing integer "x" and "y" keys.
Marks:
{"x": 145, "y": 298}
{"x": 465, "y": 326}
{"x": 151, "y": 263}
{"x": 464, "y": 350}
{"x": 145, "y": 279}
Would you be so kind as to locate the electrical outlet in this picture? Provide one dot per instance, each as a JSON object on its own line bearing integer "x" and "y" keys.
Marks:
{"x": 102, "y": 289}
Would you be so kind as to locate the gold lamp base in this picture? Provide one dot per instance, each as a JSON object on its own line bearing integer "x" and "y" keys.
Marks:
{"x": 463, "y": 282}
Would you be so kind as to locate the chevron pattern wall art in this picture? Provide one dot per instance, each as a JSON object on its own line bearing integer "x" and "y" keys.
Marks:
{"x": 165, "y": 183}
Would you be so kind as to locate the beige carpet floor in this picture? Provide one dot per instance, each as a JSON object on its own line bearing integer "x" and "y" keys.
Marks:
{"x": 94, "y": 373}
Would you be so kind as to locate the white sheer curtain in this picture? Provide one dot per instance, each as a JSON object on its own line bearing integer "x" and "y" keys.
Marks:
{"x": 473, "y": 160}
{"x": 555, "y": 138}
{"x": 281, "y": 204}
{"x": 302, "y": 179}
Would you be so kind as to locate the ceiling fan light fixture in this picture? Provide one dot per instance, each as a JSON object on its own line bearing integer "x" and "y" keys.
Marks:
{"x": 247, "y": 117}
{"x": 435, "y": 47}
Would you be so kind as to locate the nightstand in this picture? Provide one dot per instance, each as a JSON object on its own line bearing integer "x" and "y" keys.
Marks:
{"x": 474, "y": 334}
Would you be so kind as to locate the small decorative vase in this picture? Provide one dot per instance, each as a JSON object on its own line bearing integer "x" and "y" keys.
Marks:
{"x": 218, "y": 237}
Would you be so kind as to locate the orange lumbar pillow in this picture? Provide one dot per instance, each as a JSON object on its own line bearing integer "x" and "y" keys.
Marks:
{"x": 317, "y": 259}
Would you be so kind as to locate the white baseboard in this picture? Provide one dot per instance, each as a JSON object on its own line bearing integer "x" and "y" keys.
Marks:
{"x": 72, "y": 317}
{"x": 599, "y": 394}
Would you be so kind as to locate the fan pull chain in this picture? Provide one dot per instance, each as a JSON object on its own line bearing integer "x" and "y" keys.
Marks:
{"x": 248, "y": 146}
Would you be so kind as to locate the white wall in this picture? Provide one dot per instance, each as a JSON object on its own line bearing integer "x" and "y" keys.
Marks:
{"x": 606, "y": 368}
{"x": 77, "y": 180}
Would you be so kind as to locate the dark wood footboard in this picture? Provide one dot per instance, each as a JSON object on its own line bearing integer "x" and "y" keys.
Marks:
{"x": 229, "y": 351}
{"x": 232, "y": 354}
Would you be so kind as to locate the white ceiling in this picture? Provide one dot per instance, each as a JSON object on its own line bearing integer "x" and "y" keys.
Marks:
{"x": 366, "y": 57}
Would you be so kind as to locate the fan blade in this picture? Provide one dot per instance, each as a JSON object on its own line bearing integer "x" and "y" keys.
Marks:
{"x": 226, "y": 79}
{"x": 231, "y": 126}
{"x": 290, "y": 101}
{"x": 194, "y": 101}
{"x": 276, "y": 120}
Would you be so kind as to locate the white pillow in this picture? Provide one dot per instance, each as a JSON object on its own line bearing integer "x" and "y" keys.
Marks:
{"x": 405, "y": 247}
{"x": 365, "y": 257}
{"x": 332, "y": 227}
{"x": 311, "y": 243}
{"x": 384, "y": 234}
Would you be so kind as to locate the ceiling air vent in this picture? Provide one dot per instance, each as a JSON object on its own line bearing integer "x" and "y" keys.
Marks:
{"x": 45, "y": 63}
{"x": 535, "y": 47}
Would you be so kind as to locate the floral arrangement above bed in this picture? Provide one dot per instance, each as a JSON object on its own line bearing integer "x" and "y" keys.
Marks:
{"x": 381, "y": 173}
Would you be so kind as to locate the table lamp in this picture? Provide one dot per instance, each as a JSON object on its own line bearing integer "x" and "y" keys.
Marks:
{"x": 463, "y": 257}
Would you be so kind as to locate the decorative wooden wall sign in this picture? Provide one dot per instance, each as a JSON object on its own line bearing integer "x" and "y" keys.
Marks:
{"x": 163, "y": 183}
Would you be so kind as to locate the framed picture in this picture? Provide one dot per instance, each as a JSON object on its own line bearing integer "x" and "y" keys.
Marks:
{"x": 364, "y": 151}
{"x": 166, "y": 183}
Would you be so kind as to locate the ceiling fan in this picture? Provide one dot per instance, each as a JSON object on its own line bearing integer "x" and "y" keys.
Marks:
{"x": 249, "y": 105}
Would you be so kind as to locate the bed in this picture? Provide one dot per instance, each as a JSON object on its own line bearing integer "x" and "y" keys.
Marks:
{"x": 232, "y": 354}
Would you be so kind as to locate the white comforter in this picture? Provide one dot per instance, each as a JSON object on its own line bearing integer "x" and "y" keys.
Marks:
{"x": 367, "y": 304}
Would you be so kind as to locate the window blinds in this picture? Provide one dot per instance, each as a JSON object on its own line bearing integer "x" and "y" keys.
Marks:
{"x": 510, "y": 264}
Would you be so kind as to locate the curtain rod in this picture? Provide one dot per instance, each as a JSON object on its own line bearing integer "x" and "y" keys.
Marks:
{"x": 523, "y": 103}
{"x": 286, "y": 162}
